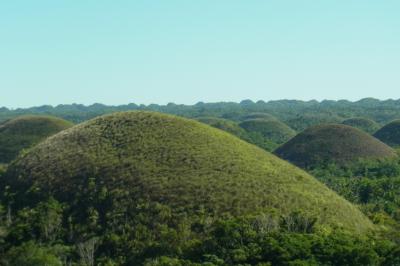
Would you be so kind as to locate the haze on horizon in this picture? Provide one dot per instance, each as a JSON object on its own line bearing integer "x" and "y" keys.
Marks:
{"x": 186, "y": 52}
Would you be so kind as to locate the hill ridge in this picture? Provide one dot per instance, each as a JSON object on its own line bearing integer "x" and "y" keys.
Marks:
{"x": 332, "y": 143}
{"x": 182, "y": 164}
{"x": 390, "y": 133}
{"x": 24, "y": 132}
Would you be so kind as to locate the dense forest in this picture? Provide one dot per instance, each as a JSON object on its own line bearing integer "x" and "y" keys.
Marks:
{"x": 201, "y": 184}
{"x": 297, "y": 114}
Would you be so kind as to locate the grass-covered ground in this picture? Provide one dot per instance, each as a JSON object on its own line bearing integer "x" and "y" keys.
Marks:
{"x": 390, "y": 134}
{"x": 224, "y": 124}
{"x": 25, "y": 131}
{"x": 332, "y": 143}
{"x": 365, "y": 124}
{"x": 264, "y": 116}
{"x": 271, "y": 130}
{"x": 253, "y": 136}
{"x": 190, "y": 168}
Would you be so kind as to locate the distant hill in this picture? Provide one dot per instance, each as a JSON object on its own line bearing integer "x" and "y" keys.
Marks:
{"x": 25, "y": 131}
{"x": 271, "y": 130}
{"x": 362, "y": 123}
{"x": 224, "y": 124}
{"x": 128, "y": 170}
{"x": 297, "y": 114}
{"x": 332, "y": 143}
{"x": 252, "y": 116}
{"x": 306, "y": 120}
{"x": 390, "y": 134}
{"x": 253, "y": 136}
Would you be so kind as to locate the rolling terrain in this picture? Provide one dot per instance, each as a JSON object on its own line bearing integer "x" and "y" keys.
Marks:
{"x": 297, "y": 114}
{"x": 146, "y": 188}
{"x": 332, "y": 143}
{"x": 390, "y": 134}
{"x": 364, "y": 124}
{"x": 263, "y": 116}
{"x": 271, "y": 130}
{"x": 181, "y": 164}
{"x": 224, "y": 124}
{"x": 26, "y": 131}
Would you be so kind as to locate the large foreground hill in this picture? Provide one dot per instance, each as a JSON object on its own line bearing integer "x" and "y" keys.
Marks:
{"x": 129, "y": 167}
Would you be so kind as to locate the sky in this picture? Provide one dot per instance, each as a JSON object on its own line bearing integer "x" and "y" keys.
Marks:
{"x": 142, "y": 51}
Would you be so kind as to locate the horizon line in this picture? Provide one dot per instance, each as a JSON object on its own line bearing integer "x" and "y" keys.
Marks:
{"x": 249, "y": 101}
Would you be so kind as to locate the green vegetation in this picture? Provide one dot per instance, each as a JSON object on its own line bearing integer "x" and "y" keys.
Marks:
{"x": 246, "y": 241}
{"x": 145, "y": 188}
{"x": 299, "y": 115}
{"x": 252, "y": 116}
{"x": 332, "y": 143}
{"x": 251, "y": 240}
{"x": 304, "y": 121}
{"x": 33, "y": 254}
{"x": 271, "y": 131}
{"x": 26, "y": 131}
{"x": 225, "y": 125}
{"x": 374, "y": 185}
{"x": 150, "y": 151}
{"x": 390, "y": 134}
{"x": 274, "y": 129}
{"x": 364, "y": 124}
{"x": 149, "y": 189}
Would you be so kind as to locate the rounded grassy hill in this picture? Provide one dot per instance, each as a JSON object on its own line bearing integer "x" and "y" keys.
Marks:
{"x": 264, "y": 116}
{"x": 303, "y": 121}
{"x": 252, "y": 137}
{"x": 390, "y": 134}
{"x": 332, "y": 143}
{"x": 25, "y": 131}
{"x": 272, "y": 130}
{"x": 143, "y": 166}
{"x": 223, "y": 124}
{"x": 364, "y": 124}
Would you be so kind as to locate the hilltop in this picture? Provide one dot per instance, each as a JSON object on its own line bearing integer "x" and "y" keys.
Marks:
{"x": 264, "y": 116}
{"x": 155, "y": 167}
{"x": 317, "y": 117}
{"x": 390, "y": 134}
{"x": 271, "y": 130}
{"x": 223, "y": 124}
{"x": 332, "y": 143}
{"x": 25, "y": 131}
{"x": 274, "y": 132}
{"x": 297, "y": 114}
{"x": 365, "y": 124}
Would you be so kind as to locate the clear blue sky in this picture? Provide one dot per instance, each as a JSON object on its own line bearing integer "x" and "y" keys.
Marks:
{"x": 117, "y": 52}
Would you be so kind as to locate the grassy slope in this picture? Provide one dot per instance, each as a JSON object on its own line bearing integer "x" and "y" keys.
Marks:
{"x": 275, "y": 131}
{"x": 390, "y": 134}
{"x": 332, "y": 143}
{"x": 304, "y": 121}
{"x": 181, "y": 163}
{"x": 264, "y": 116}
{"x": 364, "y": 124}
{"x": 224, "y": 124}
{"x": 25, "y": 131}
{"x": 252, "y": 137}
